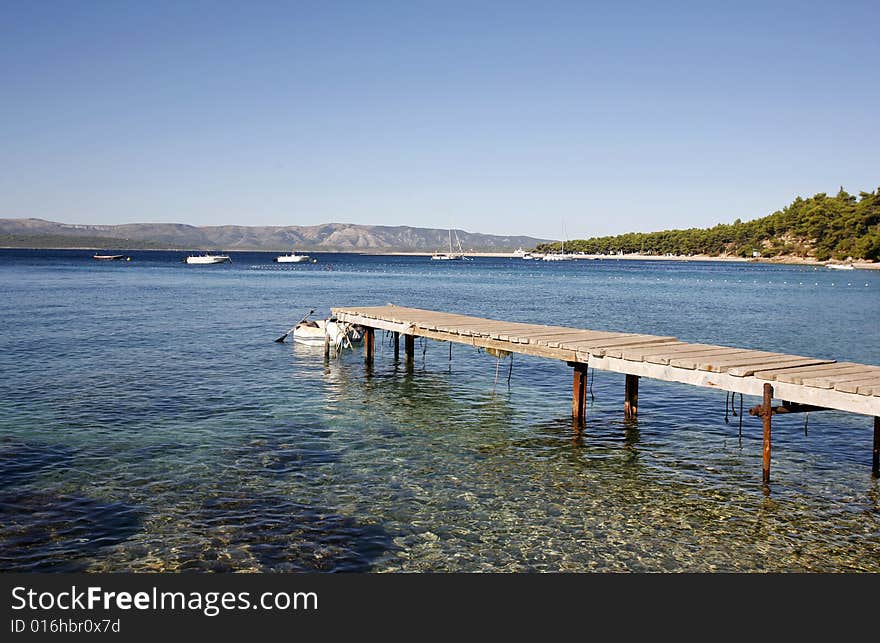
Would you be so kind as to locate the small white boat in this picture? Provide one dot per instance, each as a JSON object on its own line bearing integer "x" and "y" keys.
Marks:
{"x": 292, "y": 258}
{"x": 312, "y": 333}
{"x": 840, "y": 266}
{"x": 111, "y": 257}
{"x": 207, "y": 258}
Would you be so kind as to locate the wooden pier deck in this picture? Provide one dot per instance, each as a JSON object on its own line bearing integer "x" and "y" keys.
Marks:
{"x": 804, "y": 383}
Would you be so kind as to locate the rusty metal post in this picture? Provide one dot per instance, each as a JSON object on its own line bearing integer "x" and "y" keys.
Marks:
{"x": 369, "y": 345}
{"x": 409, "y": 349}
{"x": 396, "y": 347}
{"x": 579, "y": 393}
{"x": 875, "y": 465}
{"x": 631, "y": 402}
{"x": 767, "y": 415}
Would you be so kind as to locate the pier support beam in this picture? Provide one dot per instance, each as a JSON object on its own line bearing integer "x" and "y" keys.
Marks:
{"x": 579, "y": 392}
{"x": 631, "y": 403}
{"x": 409, "y": 349}
{"x": 875, "y": 464}
{"x": 396, "y": 347}
{"x": 767, "y": 415}
{"x": 369, "y": 345}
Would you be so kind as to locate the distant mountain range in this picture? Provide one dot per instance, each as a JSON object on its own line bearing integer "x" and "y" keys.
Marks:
{"x": 339, "y": 237}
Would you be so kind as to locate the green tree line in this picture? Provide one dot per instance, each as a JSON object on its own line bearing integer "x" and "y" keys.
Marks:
{"x": 822, "y": 227}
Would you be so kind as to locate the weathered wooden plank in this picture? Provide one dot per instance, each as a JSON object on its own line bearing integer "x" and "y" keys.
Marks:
{"x": 736, "y": 359}
{"x": 692, "y": 360}
{"x": 862, "y": 387}
{"x": 638, "y": 353}
{"x": 634, "y": 351}
{"x": 796, "y": 375}
{"x": 831, "y": 381}
{"x": 687, "y": 350}
{"x": 596, "y": 345}
{"x": 852, "y": 386}
{"x": 743, "y": 371}
{"x": 585, "y": 353}
{"x": 547, "y": 331}
{"x": 823, "y": 380}
{"x": 556, "y": 342}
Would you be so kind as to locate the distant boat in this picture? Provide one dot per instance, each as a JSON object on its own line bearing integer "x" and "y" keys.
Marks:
{"x": 450, "y": 256}
{"x": 519, "y": 253}
{"x": 559, "y": 256}
{"x": 207, "y": 258}
{"x": 292, "y": 258}
{"x": 840, "y": 266}
{"x": 556, "y": 256}
{"x": 111, "y": 257}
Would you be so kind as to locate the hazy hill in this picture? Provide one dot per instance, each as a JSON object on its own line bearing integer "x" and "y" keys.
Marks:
{"x": 328, "y": 237}
{"x": 821, "y": 227}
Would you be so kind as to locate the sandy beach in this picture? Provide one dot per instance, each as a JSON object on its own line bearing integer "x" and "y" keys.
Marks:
{"x": 867, "y": 265}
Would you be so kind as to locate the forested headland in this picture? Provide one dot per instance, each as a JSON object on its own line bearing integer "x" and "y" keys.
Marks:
{"x": 821, "y": 227}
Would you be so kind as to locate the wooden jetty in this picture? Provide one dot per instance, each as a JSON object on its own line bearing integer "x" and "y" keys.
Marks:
{"x": 805, "y": 384}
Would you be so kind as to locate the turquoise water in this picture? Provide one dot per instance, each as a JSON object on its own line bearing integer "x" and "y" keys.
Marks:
{"x": 148, "y": 421}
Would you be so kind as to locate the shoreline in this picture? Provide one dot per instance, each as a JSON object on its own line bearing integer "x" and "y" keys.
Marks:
{"x": 785, "y": 259}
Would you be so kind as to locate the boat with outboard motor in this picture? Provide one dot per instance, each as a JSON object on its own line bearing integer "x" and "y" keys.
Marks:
{"x": 293, "y": 258}
{"x": 207, "y": 258}
{"x": 317, "y": 332}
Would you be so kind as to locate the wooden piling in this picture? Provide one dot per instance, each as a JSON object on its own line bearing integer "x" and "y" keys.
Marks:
{"x": 579, "y": 393}
{"x": 326, "y": 346}
{"x": 396, "y": 347}
{"x": 369, "y": 345}
{"x": 875, "y": 465}
{"x": 409, "y": 349}
{"x": 631, "y": 402}
{"x": 767, "y": 415}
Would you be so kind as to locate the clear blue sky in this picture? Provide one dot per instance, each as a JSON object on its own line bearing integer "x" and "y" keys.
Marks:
{"x": 497, "y": 117}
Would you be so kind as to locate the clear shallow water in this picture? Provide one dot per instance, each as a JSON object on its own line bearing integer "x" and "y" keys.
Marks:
{"x": 149, "y": 422}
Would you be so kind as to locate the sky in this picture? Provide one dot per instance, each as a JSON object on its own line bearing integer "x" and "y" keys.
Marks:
{"x": 544, "y": 118}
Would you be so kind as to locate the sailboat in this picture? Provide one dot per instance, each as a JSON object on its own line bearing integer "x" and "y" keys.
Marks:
{"x": 559, "y": 256}
{"x": 450, "y": 256}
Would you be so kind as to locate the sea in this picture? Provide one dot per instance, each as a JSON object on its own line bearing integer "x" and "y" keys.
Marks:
{"x": 149, "y": 421}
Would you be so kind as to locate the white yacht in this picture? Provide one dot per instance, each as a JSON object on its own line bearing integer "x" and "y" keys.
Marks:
{"x": 207, "y": 258}
{"x": 293, "y": 257}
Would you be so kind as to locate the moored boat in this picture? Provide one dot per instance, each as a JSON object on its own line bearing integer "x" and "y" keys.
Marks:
{"x": 450, "y": 256}
{"x": 207, "y": 258}
{"x": 111, "y": 257}
{"x": 313, "y": 332}
{"x": 293, "y": 257}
